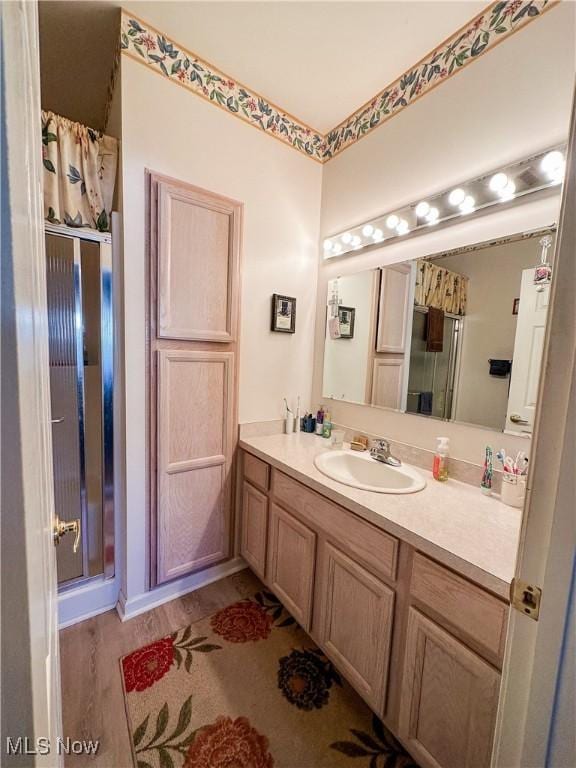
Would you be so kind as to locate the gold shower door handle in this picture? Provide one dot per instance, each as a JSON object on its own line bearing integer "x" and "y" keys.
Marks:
{"x": 62, "y": 527}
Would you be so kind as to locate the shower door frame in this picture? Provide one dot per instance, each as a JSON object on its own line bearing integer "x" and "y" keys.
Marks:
{"x": 107, "y": 397}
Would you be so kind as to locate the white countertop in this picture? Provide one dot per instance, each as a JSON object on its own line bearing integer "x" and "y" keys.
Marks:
{"x": 453, "y": 522}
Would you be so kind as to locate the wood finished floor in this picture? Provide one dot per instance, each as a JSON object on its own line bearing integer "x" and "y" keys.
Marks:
{"x": 92, "y": 698}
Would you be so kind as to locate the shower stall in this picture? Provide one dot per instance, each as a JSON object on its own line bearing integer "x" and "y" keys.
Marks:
{"x": 80, "y": 331}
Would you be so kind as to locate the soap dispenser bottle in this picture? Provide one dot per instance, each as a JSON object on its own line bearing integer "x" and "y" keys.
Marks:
{"x": 440, "y": 467}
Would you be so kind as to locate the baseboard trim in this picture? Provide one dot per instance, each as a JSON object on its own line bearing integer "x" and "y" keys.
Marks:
{"x": 86, "y": 601}
{"x": 134, "y": 606}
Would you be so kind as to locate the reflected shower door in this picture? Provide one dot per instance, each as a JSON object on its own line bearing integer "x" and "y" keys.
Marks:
{"x": 64, "y": 296}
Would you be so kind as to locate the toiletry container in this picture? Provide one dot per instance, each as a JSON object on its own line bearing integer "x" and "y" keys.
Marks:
{"x": 440, "y": 466}
{"x": 513, "y": 489}
{"x": 326, "y": 425}
{"x": 320, "y": 421}
{"x": 337, "y": 439}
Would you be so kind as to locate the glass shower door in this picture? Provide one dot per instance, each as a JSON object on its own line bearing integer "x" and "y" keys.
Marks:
{"x": 64, "y": 294}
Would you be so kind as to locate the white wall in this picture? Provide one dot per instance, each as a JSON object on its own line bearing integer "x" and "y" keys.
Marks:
{"x": 346, "y": 360}
{"x": 510, "y": 103}
{"x": 171, "y": 131}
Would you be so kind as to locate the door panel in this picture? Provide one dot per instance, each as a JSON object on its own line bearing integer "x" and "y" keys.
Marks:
{"x": 449, "y": 699}
{"x": 291, "y": 554}
{"x": 354, "y": 622}
{"x": 198, "y": 236}
{"x": 388, "y": 377}
{"x": 194, "y": 457}
{"x": 254, "y": 528}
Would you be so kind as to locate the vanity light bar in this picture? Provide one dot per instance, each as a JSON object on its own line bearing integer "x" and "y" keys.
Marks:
{"x": 534, "y": 174}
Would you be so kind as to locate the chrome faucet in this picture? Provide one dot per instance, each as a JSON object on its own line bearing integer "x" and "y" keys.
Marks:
{"x": 380, "y": 451}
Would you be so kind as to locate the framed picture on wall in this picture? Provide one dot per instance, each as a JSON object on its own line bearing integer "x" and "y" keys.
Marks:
{"x": 346, "y": 316}
{"x": 283, "y": 314}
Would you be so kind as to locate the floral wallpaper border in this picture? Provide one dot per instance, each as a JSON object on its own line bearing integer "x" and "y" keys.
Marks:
{"x": 142, "y": 42}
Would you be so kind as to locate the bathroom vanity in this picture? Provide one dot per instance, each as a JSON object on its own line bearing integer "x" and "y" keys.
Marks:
{"x": 407, "y": 594}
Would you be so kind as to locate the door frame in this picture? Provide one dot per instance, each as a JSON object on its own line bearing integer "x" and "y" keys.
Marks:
{"x": 533, "y": 659}
{"x": 30, "y": 374}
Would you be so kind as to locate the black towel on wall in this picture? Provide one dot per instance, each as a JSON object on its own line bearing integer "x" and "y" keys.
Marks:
{"x": 434, "y": 330}
{"x": 425, "y": 403}
{"x": 500, "y": 368}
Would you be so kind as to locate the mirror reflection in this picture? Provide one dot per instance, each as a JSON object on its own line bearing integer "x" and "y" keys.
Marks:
{"x": 455, "y": 336}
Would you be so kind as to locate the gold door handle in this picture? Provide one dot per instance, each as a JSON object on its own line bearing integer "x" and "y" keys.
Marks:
{"x": 516, "y": 419}
{"x": 62, "y": 527}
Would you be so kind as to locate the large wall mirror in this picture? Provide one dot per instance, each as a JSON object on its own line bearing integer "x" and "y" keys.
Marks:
{"x": 456, "y": 336}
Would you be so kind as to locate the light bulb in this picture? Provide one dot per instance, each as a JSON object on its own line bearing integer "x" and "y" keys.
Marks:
{"x": 327, "y": 245}
{"x": 467, "y": 205}
{"x": 498, "y": 182}
{"x": 337, "y": 248}
{"x": 432, "y": 217}
{"x": 457, "y": 196}
{"x": 367, "y": 230}
{"x": 356, "y": 241}
{"x": 392, "y": 221}
{"x": 552, "y": 161}
{"x": 402, "y": 228}
{"x": 508, "y": 192}
{"x": 377, "y": 235}
{"x": 422, "y": 209}
{"x": 346, "y": 238}
{"x": 557, "y": 176}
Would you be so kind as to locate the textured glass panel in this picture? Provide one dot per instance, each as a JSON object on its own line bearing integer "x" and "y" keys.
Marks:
{"x": 65, "y": 393}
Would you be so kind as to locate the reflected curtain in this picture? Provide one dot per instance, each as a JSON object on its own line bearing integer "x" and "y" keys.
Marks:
{"x": 79, "y": 173}
{"x": 440, "y": 288}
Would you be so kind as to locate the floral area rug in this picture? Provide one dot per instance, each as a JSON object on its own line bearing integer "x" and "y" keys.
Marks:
{"x": 247, "y": 688}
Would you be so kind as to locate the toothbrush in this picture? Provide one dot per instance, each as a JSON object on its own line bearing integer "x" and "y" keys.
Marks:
{"x": 297, "y": 417}
{"x": 287, "y": 406}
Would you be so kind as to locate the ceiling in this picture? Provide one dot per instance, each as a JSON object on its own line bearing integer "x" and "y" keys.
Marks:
{"x": 319, "y": 61}
{"x": 77, "y": 45}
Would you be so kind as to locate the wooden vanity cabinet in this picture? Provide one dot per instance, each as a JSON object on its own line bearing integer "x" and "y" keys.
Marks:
{"x": 291, "y": 561}
{"x": 353, "y": 616}
{"x": 254, "y": 531}
{"x": 420, "y": 643}
{"x": 449, "y": 699}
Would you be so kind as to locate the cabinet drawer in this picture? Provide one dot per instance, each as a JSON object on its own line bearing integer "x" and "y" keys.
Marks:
{"x": 469, "y": 611}
{"x": 254, "y": 528}
{"x": 374, "y": 548}
{"x": 257, "y": 471}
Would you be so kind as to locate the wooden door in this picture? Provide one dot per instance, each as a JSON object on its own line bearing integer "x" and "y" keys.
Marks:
{"x": 254, "y": 528}
{"x": 354, "y": 622}
{"x": 194, "y": 240}
{"x": 194, "y": 457}
{"x": 291, "y": 555}
{"x": 449, "y": 699}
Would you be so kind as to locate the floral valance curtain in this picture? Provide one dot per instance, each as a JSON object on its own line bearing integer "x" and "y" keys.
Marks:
{"x": 440, "y": 288}
{"x": 79, "y": 173}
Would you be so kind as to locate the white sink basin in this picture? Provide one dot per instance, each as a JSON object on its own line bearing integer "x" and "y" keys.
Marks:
{"x": 360, "y": 470}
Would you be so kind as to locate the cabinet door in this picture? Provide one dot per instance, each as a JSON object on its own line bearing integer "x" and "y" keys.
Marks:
{"x": 449, "y": 699}
{"x": 198, "y": 264}
{"x": 254, "y": 528}
{"x": 194, "y": 425}
{"x": 354, "y": 622}
{"x": 387, "y": 380}
{"x": 393, "y": 309}
{"x": 291, "y": 555}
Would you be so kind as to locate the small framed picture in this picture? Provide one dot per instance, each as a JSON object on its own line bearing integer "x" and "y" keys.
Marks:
{"x": 283, "y": 314}
{"x": 346, "y": 316}
{"x": 515, "y": 306}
